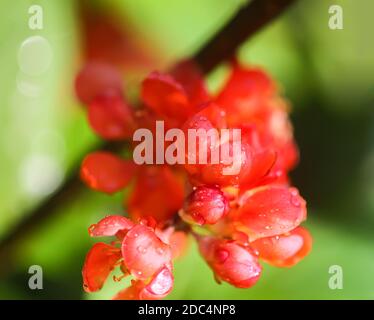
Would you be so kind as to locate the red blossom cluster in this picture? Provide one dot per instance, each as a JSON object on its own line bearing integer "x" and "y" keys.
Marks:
{"x": 250, "y": 216}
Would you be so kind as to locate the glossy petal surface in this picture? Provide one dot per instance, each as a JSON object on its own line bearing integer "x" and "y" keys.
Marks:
{"x": 100, "y": 261}
{"x": 271, "y": 211}
{"x": 144, "y": 253}
{"x": 284, "y": 250}
{"x": 110, "y": 116}
{"x": 110, "y": 226}
{"x": 97, "y": 78}
{"x": 105, "y": 172}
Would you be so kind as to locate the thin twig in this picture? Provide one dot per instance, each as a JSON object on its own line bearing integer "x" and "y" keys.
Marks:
{"x": 245, "y": 24}
{"x": 221, "y": 47}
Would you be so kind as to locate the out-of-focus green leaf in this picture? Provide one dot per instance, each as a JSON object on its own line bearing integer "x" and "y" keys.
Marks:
{"x": 275, "y": 48}
{"x": 343, "y": 59}
{"x": 42, "y": 130}
{"x": 192, "y": 21}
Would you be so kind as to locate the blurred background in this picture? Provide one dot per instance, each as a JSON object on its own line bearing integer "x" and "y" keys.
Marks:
{"x": 328, "y": 75}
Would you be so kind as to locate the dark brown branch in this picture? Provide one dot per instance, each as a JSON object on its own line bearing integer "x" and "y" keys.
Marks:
{"x": 221, "y": 47}
{"x": 246, "y": 23}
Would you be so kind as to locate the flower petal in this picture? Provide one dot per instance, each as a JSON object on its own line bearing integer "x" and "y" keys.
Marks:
{"x": 206, "y": 162}
{"x": 205, "y": 205}
{"x": 95, "y": 79}
{"x": 284, "y": 250}
{"x": 144, "y": 253}
{"x": 110, "y": 226}
{"x": 110, "y": 116}
{"x": 105, "y": 172}
{"x": 166, "y": 97}
{"x": 132, "y": 292}
{"x": 263, "y": 158}
{"x": 160, "y": 286}
{"x": 230, "y": 261}
{"x": 262, "y": 162}
{"x": 270, "y": 211}
{"x": 245, "y": 93}
{"x": 100, "y": 261}
{"x": 158, "y": 192}
{"x": 189, "y": 76}
{"x": 177, "y": 240}
{"x": 244, "y": 83}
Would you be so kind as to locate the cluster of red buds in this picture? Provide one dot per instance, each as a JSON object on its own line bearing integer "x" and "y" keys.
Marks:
{"x": 236, "y": 219}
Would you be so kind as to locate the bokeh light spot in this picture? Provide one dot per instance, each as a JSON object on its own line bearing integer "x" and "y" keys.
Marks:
{"x": 35, "y": 56}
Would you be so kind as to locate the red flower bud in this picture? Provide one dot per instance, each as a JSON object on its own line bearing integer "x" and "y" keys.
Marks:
{"x": 230, "y": 261}
{"x": 205, "y": 205}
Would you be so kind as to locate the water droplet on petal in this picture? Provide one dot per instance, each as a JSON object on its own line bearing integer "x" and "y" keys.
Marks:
{"x": 141, "y": 249}
{"x": 295, "y": 201}
{"x": 222, "y": 255}
{"x": 199, "y": 219}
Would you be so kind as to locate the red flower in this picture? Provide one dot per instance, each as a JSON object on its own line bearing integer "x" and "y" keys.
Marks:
{"x": 253, "y": 214}
{"x": 142, "y": 254}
